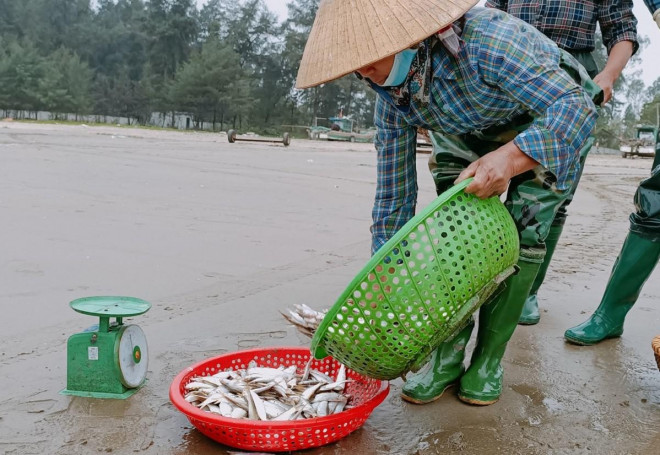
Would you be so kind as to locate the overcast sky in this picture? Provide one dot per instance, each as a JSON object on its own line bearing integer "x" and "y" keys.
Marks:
{"x": 646, "y": 26}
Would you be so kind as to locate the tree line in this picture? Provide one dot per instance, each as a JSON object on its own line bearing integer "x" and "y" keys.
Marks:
{"x": 230, "y": 63}
{"x": 632, "y": 101}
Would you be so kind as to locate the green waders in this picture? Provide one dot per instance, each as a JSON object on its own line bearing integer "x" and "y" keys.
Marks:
{"x": 482, "y": 382}
{"x": 532, "y": 201}
{"x": 637, "y": 259}
{"x": 442, "y": 371}
{"x": 530, "y": 313}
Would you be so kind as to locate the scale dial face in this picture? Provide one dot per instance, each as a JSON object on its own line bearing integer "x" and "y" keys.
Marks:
{"x": 132, "y": 355}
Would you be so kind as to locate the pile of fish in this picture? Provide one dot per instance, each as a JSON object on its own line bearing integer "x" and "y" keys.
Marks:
{"x": 304, "y": 318}
{"x": 277, "y": 394}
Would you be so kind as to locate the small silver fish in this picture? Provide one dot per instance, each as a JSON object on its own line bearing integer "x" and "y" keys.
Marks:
{"x": 213, "y": 408}
{"x": 341, "y": 374}
{"x": 306, "y": 312}
{"x": 259, "y": 406}
{"x": 266, "y": 393}
{"x": 337, "y": 386}
{"x": 198, "y": 386}
{"x": 262, "y": 389}
{"x": 252, "y": 410}
{"x": 236, "y": 400}
{"x": 234, "y": 385}
{"x": 328, "y": 396}
{"x": 192, "y": 397}
{"x": 238, "y": 413}
{"x": 310, "y": 391}
{"x": 305, "y": 373}
{"x": 287, "y": 415}
{"x": 321, "y": 377}
{"x": 212, "y": 399}
{"x": 322, "y": 409}
{"x": 226, "y": 408}
{"x": 271, "y": 410}
{"x": 340, "y": 406}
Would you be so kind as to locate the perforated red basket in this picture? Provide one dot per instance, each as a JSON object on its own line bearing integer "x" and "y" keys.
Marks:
{"x": 279, "y": 436}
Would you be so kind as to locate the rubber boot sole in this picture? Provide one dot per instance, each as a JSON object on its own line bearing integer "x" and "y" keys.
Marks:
{"x": 417, "y": 401}
{"x": 476, "y": 402}
{"x": 528, "y": 321}
{"x": 580, "y": 342}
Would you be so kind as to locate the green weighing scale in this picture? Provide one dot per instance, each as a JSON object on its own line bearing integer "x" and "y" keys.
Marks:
{"x": 109, "y": 360}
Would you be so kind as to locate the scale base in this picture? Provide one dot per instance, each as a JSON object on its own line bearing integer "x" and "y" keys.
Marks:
{"x": 87, "y": 394}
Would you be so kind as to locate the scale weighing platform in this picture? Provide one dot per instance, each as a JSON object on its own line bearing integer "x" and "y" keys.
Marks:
{"x": 108, "y": 360}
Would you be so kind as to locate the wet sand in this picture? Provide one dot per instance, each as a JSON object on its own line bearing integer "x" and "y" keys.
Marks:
{"x": 219, "y": 237}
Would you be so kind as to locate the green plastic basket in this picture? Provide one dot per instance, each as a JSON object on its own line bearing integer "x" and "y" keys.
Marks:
{"x": 421, "y": 286}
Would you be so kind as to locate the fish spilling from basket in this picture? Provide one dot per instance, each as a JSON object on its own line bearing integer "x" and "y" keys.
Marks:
{"x": 419, "y": 288}
{"x": 304, "y": 318}
{"x": 277, "y": 394}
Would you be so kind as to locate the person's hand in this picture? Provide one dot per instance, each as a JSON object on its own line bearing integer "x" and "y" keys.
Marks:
{"x": 493, "y": 171}
{"x": 606, "y": 82}
{"x": 656, "y": 17}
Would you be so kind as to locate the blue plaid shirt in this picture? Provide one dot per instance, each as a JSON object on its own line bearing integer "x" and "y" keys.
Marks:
{"x": 572, "y": 23}
{"x": 504, "y": 68}
{"x": 652, "y": 5}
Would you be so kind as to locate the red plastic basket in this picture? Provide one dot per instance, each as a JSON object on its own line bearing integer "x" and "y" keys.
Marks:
{"x": 272, "y": 436}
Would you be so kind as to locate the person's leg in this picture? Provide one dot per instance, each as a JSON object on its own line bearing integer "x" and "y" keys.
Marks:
{"x": 442, "y": 371}
{"x": 583, "y": 74}
{"x": 632, "y": 268}
{"x": 449, "y": 157}
{"x": 530, "y": 313}
{"x": 533, "y": 203}
{"x": 637, "y": 259}
{"x": 482, "y": 383}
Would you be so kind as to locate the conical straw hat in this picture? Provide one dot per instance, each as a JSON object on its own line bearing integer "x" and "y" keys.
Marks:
{"x": 350, "y": 34}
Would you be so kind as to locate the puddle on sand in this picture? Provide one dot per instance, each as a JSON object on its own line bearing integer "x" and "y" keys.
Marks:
{"x": 553, "y": 406}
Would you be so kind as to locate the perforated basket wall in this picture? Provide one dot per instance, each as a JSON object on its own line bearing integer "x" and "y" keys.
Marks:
{"x": 279, "y": 436}
{"x": 421, "y": 286}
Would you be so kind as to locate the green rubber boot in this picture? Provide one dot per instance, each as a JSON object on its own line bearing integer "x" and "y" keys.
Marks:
{"x": 530, "y": 313}
{"x": 632, "y": 268}
{"x": 443, "y": 370}
{"x": 482, "y": 382}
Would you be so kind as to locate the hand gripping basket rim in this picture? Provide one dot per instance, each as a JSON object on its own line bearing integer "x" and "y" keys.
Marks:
{"x": 317, "y": 350}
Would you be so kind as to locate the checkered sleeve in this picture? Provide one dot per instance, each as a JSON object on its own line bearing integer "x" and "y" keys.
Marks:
{"x": 652, "y": 5}
{"x": 617, "y": 22}
{"x": 502, "y": 5}
{"x": 396, "y": 183}
{"x": 525, "y": 65}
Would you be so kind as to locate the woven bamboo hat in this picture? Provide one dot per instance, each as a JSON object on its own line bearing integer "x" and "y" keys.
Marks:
{"x": 350, "y": 34}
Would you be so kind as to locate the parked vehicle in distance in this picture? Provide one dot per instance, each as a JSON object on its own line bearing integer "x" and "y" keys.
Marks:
{"x": 645, "y": 143}
{"x": 340, "y": 129}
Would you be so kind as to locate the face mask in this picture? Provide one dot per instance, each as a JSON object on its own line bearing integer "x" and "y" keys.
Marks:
{"x": 400, "y": 68}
